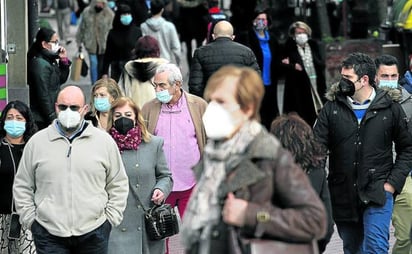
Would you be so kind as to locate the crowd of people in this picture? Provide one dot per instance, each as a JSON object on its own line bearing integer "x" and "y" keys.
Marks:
{"x": 244, "y": 177}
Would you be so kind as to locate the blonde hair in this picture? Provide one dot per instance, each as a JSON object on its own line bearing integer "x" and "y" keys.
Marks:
{"x": 250, "y": 87}
{"x": 112, "y": 88}
{"x": 299, "y": 24}
{"x": 123, "y": 101}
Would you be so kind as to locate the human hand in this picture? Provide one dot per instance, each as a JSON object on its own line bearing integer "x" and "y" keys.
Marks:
{"x": 234, "y": 210}
{"x": 62, "y": 52}
{"x": 389, "y": 188}
{"x": 285, "y": 60}
{"x": 158, "y": 196}
{"x": 298, "y": 67}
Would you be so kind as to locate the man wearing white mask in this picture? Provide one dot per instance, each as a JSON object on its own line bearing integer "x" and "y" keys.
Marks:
{"x": 69, "y": 199}
{"x": 176, "y": 116}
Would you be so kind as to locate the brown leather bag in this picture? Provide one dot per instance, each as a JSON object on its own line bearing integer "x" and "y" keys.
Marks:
{"x": 262, "y": 246}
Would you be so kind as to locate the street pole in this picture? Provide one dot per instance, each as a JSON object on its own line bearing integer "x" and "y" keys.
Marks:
{"x": 33, "y": 19}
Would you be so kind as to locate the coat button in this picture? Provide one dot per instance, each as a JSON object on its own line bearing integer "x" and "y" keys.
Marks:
{"x": 139, "y": 228}
{"x": 123, "y": 229}
{"x": 137, "y": 165}
{"x": 137, "y": 185}
{"x": 215, "y": 233}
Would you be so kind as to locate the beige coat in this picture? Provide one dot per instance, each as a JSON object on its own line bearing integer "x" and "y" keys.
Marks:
{"x": 197, "y": 107}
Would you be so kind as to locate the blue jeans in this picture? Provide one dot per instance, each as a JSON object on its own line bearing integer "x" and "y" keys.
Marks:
{"x": 370, "y": 235}
{"x": 96, "y": 67}
{"x": 94, "y": 242}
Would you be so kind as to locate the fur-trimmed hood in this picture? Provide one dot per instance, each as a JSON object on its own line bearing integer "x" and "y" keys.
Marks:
{"x": 394, "y": 93}
{"x": 143, "y": 69}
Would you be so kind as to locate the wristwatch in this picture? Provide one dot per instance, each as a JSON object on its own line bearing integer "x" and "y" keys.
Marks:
{"x": 262, "y": 216}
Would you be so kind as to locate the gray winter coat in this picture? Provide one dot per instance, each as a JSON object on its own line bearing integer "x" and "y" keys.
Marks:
{"x": 147, "y": 170}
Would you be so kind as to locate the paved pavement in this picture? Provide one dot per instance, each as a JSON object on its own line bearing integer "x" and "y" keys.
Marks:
{"x": 335, "y": 245}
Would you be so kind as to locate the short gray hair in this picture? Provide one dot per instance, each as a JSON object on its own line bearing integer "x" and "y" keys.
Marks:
{"x": 174, "y": 72}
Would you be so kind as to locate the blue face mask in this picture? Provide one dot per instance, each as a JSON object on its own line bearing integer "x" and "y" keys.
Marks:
{"x": 15, "y": 128}
{"x": 102, "y": 104}
{"x": 164, "y": 96}
{"x": 388, "y": 83}
{"x": 111, "y": 4}
{"x": 126, "y": 19}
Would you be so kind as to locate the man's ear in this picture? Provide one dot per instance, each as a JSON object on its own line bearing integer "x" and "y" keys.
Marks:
{"x": 232, "y": 37}
{"x": 213, "y": 36}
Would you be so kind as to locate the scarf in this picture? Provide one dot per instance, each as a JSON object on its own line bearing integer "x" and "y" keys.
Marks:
{"x": 307, "y": 59}
{"x": 130, "y": 141}
{"x": 204, "y": 209}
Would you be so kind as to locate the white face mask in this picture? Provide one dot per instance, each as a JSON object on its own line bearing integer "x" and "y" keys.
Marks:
{"x": 218, "y": 122}
{"x": 69, "y": 119}
{"x": 301, "y": 39}
{"x": 55, "y": 47}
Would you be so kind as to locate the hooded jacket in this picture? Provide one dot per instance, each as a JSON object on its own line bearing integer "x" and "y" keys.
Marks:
{"x": 360, "y": 155}
{"x": 136, "y": 79}
{"x": 166, "y": 34}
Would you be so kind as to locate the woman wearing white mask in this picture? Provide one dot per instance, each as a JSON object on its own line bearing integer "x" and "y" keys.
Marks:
{"x": 248, "y": 185}
{"x": 48, "y": 67}
{"x": 104, "y": 92}
{"x": 304, "y": 73}
{"x": 16, "y": 127}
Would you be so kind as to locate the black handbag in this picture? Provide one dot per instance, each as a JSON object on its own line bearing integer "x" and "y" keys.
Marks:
{"x": 162, "y": 221}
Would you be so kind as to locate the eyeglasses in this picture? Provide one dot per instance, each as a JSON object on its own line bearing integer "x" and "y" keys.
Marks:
{"x": 162, "y": 86}
{"x": 54, "y": 42}
{"x": 63, "y": 107}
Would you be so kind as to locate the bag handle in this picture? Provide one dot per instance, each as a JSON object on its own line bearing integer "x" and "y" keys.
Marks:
{"x": 137, "y": 198}
{"x": 14, "y": 169}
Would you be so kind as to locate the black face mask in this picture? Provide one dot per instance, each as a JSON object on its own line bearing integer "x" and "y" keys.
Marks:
{"x": 346, "y": 87}
{"x": 98, "y": 9}
{"x": 123, "y": 125}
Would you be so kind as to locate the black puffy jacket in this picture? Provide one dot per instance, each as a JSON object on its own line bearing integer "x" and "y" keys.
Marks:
{"x": 209, "y": 58}
{"x": 361, "y": 155}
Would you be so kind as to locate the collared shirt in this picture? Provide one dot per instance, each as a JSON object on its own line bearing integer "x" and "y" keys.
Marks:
{"x": 175, "y": 126}
{"x": 360, "y": 109}
{"x": 77, "y": 132}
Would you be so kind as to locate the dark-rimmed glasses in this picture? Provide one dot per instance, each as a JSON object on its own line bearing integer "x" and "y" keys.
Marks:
{"x": 63, "y": 107}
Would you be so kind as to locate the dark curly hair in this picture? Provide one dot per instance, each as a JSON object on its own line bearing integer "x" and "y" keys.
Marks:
{"x": 31, "y": 126}
{"x": 297, "y": 136}
{"x": 362, "y": 64}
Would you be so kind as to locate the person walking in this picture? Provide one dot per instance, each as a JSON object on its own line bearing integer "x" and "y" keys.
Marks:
{"x": 69, "y": 198}
{"x": 357, "y": 126}
{"x": 16, "y": 128}
{"x": 94, "y": 27}
{"x": 387, "y": 78}
{"x": 47, "y": 69}
{"x": 120, "y": 42}
{"x": 137, "y": 77}
{"x": 266, "y": 48}
{"x": 150, "y": 179}
{"x": 296, "y": 136}
{"x": 249, "y": 192}
{"x": 304, "y": 69}
{"x": 222, "y": 51}
{"x": 164, "y": 31}
{"x": 175, "y": 115}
